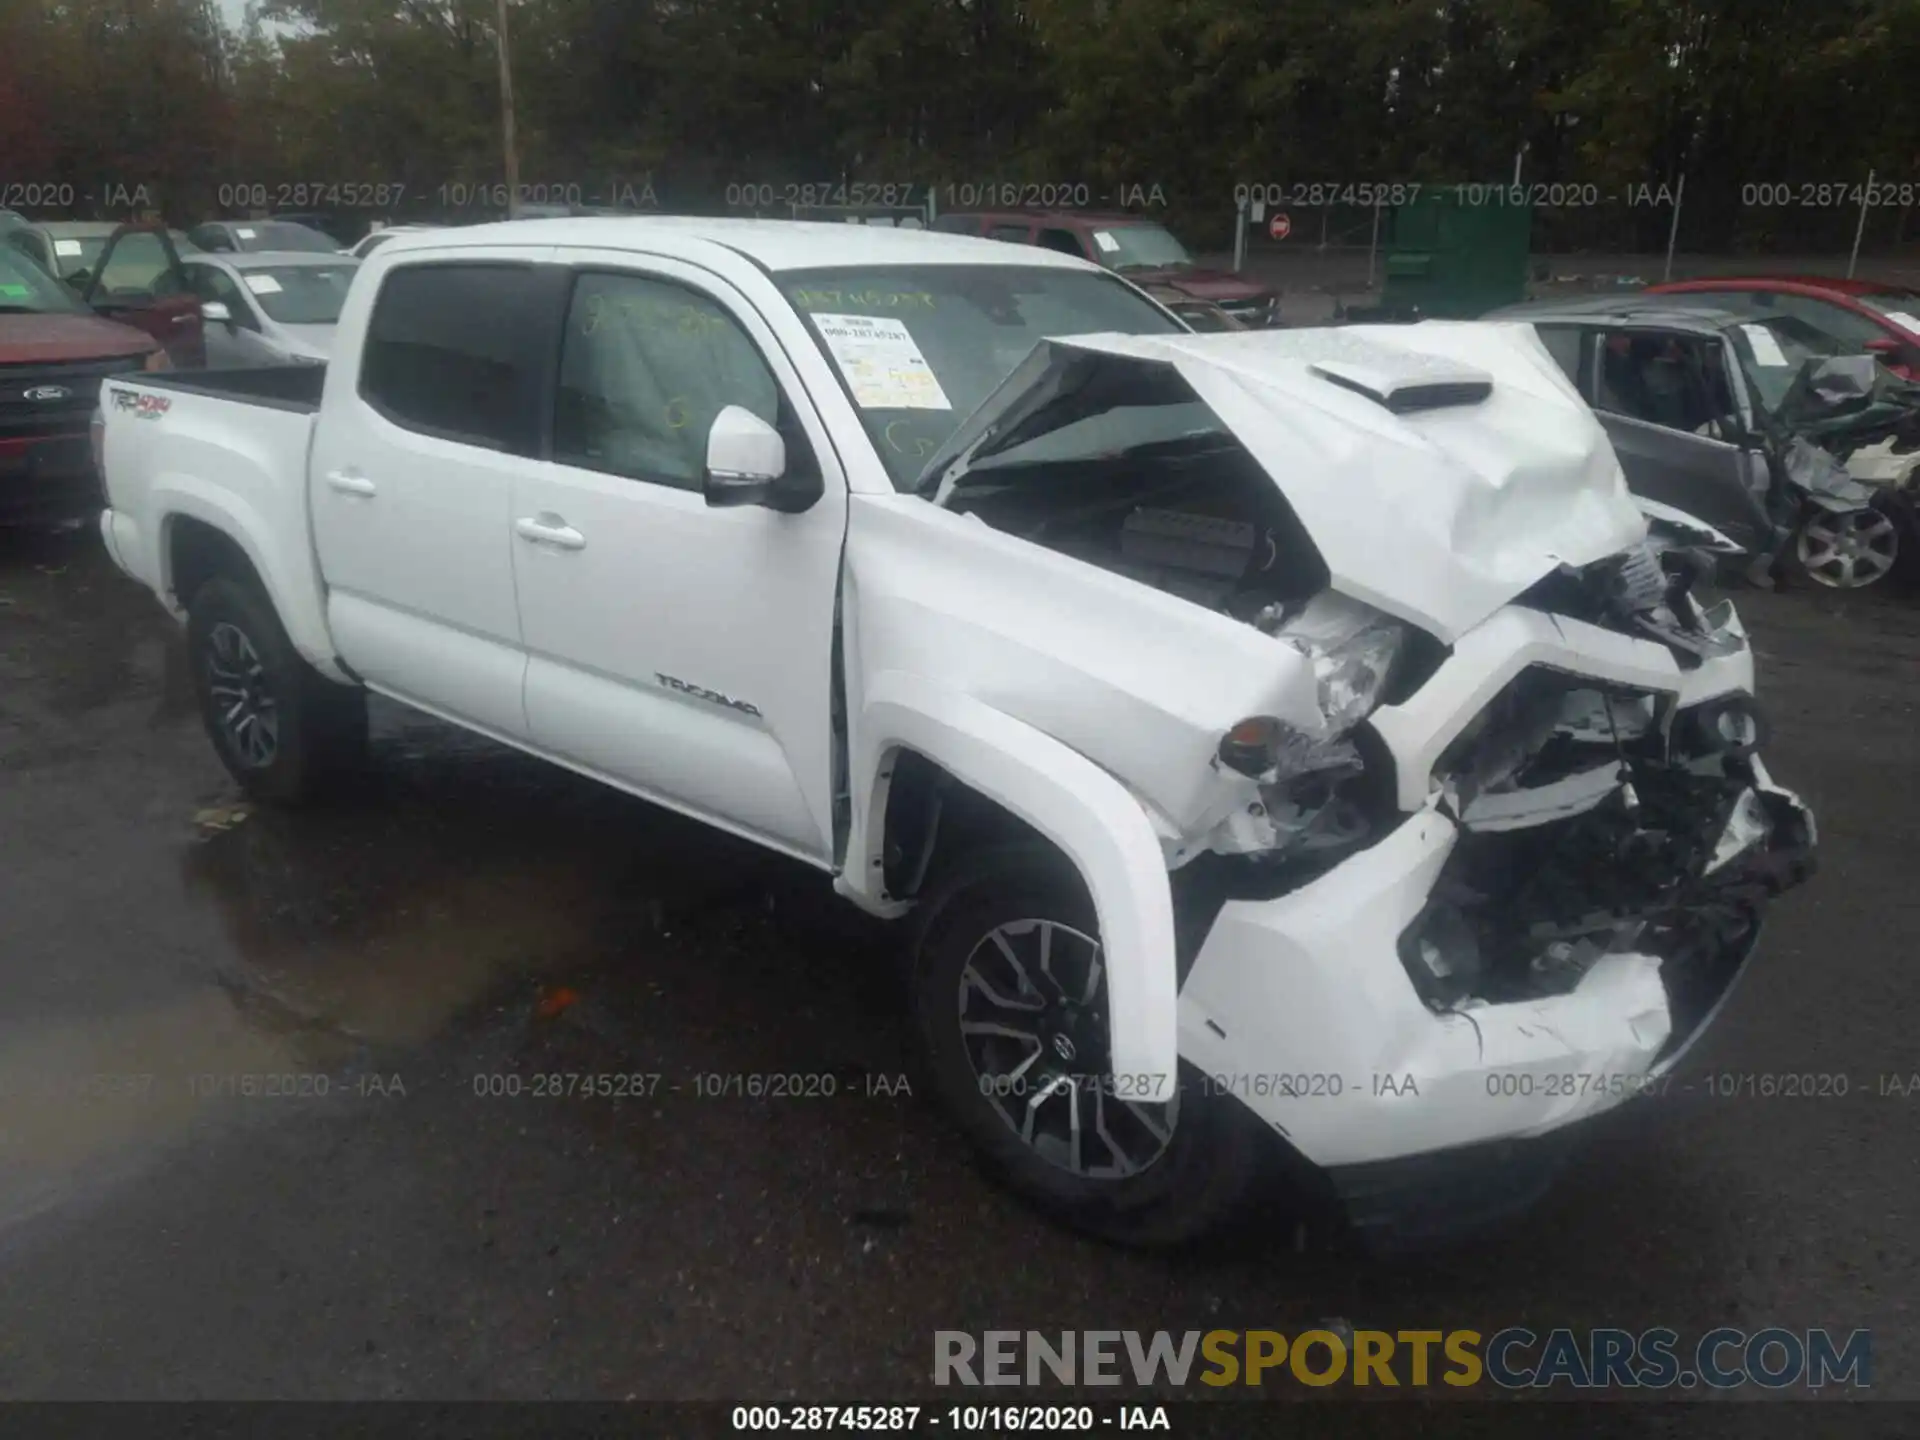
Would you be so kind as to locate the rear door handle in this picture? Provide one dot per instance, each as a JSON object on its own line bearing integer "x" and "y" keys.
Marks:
{"x": 348, "y": 484}
{"x": 549, "y": 530}
{"x": 186, "y": 317}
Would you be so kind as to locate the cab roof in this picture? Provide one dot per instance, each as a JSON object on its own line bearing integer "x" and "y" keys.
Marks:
{"x": 777, "y": 245}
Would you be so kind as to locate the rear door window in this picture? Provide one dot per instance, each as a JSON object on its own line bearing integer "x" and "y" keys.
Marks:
{"x": 211, "y": 283}
{"x": 1677, "y": 382}
{"x": 453, "y": 350}
{"x": 138, "y": 267}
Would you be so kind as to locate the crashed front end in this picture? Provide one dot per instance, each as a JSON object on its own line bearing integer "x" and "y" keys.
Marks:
{"x": 1499, "y": 839}
{"x": 1566, "y": 877}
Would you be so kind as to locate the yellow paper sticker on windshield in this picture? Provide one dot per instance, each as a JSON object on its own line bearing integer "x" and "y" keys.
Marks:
{"x": 884, "y": 368}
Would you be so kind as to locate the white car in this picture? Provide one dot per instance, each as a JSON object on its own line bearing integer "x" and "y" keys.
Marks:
{"x": 1279, "y": 738}
{"x": 268, "y": 308}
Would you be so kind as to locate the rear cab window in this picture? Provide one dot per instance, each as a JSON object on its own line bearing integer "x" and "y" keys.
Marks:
{"x": 455, "y": 349}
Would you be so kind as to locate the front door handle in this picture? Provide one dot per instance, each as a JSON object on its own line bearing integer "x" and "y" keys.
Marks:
{"x": 549, "y": 530}
{"x": 348, "y": 484}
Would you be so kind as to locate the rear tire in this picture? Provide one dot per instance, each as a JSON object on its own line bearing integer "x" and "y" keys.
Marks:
{"x": 1144, "y": 1188}
{"x": 279, "y": 726}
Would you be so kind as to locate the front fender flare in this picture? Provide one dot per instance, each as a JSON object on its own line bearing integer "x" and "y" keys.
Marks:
{"x": 1092, "y": 817}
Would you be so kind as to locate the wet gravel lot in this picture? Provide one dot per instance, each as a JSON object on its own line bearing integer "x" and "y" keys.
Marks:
{"x": 465, "y": 921}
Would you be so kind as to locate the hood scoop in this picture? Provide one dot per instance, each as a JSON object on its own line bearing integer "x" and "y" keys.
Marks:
{"x": 1404, "y": 389}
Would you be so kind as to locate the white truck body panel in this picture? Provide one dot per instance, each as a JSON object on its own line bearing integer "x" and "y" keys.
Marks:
{"x": 685, "y": 653}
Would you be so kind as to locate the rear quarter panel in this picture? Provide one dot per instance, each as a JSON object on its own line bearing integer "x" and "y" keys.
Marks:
{"x": 174, "y": 454}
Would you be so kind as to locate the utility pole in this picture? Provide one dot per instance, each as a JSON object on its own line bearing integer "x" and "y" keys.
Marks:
{"x": 1861, "y": 228}
{"x": 506, "y": 116}
{"x": 1673, "y": 231}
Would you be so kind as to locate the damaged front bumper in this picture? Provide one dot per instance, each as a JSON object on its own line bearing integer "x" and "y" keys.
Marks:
{"x": 1493, "y": 971}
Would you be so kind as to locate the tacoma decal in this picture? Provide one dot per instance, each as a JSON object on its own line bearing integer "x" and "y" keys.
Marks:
{"x": 711, "y": 696}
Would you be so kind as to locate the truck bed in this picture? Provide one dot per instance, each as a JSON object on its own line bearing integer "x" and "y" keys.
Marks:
{"x": 281, "y": 387}
{"x": 226, "y": 449}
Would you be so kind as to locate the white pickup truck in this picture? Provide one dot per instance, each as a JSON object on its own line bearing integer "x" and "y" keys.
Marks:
{"x": 1283, "y": 741}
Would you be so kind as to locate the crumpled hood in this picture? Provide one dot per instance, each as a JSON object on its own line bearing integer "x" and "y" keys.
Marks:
{"x": 1437, "y": 515}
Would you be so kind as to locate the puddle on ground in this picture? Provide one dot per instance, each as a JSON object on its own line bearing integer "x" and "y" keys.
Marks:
{"x": 453, "y": 872}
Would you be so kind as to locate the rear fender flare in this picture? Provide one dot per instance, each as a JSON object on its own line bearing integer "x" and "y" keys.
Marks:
{"x": 294, "y": 599}
{"x": 1093, "y": 819}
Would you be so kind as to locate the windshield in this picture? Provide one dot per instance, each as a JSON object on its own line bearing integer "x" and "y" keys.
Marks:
{"x": 1140, "y": 247}
{"x": 281, "y": 235}
{"x": 301, "y": 294}
{"x": 919, "y": 347}
{"x": 26, "y": 289}
{"x": 1771, "y": 352}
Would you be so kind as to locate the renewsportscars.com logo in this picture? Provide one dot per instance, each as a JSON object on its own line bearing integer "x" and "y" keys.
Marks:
{"x": 1514, "y": 1358}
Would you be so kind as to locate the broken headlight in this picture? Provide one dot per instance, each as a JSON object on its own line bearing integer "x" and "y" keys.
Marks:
{"x": 1441, "y": 953}
{"x": 1352, "y": 648}
{"x": 1732, "y": 726}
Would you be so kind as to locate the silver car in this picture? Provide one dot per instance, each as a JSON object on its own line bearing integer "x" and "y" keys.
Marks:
{"x": 269, "y": 308}
{"x": 245, "y": 237}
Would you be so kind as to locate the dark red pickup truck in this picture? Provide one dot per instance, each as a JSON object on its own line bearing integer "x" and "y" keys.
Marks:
{"x": 1143, "y": 250}
{"x": 54, "y": 352}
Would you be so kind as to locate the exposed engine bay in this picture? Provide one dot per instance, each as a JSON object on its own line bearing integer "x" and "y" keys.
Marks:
{"x": 1595, "y": 822}
{"x": 1204, "y": 523}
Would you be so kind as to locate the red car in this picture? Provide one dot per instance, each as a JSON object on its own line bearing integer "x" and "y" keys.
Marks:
{"x": 1867, "y": 314}
{"x": 54, "y": 352}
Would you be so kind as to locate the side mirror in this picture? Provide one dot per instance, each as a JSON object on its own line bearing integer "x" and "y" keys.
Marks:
{"x": 215, "y": 312}
{"x": 747, "y": 465}
{"x": 1885, "y": 345}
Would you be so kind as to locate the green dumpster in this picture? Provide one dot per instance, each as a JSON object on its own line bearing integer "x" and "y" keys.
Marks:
{"x": 1453, "y": 254}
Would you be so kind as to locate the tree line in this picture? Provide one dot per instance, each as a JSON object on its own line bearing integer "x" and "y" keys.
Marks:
{"x": 1774, "y": 111}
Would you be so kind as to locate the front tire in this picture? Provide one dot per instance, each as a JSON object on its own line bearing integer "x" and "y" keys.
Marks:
{"x": 278, "y": 725}
{"x": 1009, "y": 1001}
